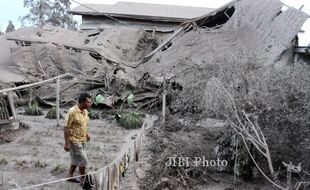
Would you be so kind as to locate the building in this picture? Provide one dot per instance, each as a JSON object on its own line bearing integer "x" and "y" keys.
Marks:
{"x": 150, "y": 17}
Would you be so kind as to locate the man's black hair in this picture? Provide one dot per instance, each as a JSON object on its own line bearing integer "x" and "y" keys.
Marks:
{"x": 83, "y": 97}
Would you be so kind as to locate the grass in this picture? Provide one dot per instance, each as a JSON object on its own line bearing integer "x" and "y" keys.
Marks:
{"x": 40, "y": 164}
{"x": 93, "y": 168}
{"x": 21, "y": 163}
{"x": 33, "y": 110}
{"x": 93, "y": 115}
{"x": 52, "y": 114}
{"x": 3, "y": 161}
{"x": 59, "y": 169}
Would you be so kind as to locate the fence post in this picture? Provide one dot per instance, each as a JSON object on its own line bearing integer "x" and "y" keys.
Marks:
{"x": 11, "y": 102}
{"x": 57, "y": 99}
{"x": 164, "y": 102}
{"x": 289, "y": 177}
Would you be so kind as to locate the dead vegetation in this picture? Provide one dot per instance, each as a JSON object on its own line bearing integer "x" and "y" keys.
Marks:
{"x": 245, "y": 94}
{"x": 59, "y": 169}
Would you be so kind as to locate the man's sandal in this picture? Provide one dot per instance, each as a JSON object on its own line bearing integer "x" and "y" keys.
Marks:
{"x": 73, "y": 180}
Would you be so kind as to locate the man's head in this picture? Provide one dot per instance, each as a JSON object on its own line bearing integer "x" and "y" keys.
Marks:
{"x": 84, "y": 101}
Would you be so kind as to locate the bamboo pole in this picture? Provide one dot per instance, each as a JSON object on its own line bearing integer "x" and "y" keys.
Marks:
{"x": 164, "y": 102}
{"x": 164, "y": 94}
{"x": 289, "y": 177}
{"x": 57, "y": 100}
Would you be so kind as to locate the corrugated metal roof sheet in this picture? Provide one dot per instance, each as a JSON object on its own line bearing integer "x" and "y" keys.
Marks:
{"x": 142, "y": 10}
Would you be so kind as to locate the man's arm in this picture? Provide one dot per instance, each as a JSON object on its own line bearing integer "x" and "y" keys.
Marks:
{"x": 87, "y": 137}
{"x": 66, "y": 136}
{"x": 68, "y": 121}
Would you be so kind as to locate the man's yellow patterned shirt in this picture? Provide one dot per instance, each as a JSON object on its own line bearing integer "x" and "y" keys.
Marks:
{"x": 76, "y": 122}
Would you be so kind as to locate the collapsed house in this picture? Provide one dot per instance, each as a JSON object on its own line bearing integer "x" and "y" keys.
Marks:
{"x": 121, "y": 60}
{"x": 236, "y": 31}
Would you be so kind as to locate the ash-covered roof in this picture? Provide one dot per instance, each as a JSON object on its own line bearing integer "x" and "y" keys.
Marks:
{"x": 142, "y": 11}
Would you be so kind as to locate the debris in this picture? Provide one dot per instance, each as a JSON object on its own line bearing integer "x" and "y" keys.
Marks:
{"x": 266, "y": 36}
{"x": 23, "y": 125}
{"x": 7, "y": 115}
{"x": 108, "y": 100}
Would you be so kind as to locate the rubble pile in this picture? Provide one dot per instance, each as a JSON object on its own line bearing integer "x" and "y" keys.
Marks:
{"x": 259, "y": 29}
{"x": 96, "y": 59}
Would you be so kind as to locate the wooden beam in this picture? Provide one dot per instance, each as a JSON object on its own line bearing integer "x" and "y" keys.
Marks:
{"x": 300, "y": 49}
{"x": 42, "y": 41}
{"x": 164, "y": 43}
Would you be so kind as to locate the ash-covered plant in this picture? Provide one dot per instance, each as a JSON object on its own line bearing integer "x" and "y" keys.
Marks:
{"x": 187, "y": 101}
{"x": 231, "y": 148}
{"x": 131, "y": 119}
{"x": 93, "y": 114}
{"x": 52, "y": 114}
{"x": 272, "y": 99}
{"x": 33, "y": 110}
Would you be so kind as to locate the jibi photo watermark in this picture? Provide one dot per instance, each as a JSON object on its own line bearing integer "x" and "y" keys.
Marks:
{"x": 194, "y": 161}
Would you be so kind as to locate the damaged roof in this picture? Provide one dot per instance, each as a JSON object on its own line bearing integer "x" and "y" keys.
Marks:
{"x": 242, "y": 27}
{"x": 142, "y": 11}
{"x": 239, "y": 31}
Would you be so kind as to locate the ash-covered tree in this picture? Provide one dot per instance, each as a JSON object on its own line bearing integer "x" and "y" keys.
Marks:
{"x": 42, "y": 12}
{"x": 10, "y": 27}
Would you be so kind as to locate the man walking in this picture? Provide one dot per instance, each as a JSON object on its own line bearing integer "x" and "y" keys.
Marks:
{"x": 75, "y": 134}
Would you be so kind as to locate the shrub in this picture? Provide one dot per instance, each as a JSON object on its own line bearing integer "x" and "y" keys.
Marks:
{"x": 51, "y": 114}
{"x": 33, "y": 110}
{"x": 93, "y": 115}
{"x": 130, "y": 120}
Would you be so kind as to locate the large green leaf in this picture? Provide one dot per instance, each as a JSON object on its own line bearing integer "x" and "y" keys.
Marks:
{"x": 130, "y": 120}
{"x": 130, "y": 100}
{"x": 99, "y": 99}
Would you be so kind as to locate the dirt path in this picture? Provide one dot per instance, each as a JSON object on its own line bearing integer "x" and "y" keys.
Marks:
{"x": 36, "y": 155}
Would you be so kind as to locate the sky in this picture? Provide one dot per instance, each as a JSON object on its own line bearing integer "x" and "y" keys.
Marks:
{"x": 13, "y": 9}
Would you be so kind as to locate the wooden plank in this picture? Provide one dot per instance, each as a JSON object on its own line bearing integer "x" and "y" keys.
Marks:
{"x": 6, "y": 121}
{"x": 25, "y": 39}
{"x": 302, "y": 50}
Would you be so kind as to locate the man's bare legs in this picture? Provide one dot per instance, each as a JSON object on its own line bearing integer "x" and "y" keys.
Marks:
{"x": 82, "y": 172}
{"x": 71, "y": 172}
